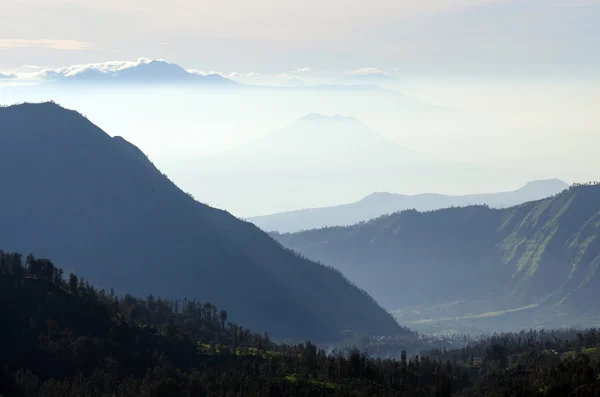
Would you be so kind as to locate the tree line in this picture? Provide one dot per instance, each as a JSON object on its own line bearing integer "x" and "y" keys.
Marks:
{"x": 60, "y": 336}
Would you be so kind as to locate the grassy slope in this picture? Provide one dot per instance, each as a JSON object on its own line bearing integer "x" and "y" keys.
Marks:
{"x": 545, "y": 252}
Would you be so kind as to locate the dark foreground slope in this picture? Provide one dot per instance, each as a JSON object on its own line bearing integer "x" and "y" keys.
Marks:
{"x": 65, "y": 338}
{"x": 378, "y": 204}
{"x": 98, "y": 206}
{"x": 544, "y": 253}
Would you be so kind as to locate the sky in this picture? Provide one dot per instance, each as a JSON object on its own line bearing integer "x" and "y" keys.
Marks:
{"x": 518, "y": 80}
{"x": 497, "y": 38}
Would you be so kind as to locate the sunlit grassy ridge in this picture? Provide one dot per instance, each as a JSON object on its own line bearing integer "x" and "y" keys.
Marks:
{"x": 541, "y": 255}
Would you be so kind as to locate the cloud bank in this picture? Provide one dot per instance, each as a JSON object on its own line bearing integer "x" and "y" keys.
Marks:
{"x": 365, "y": 71}
{"x": 72, "y": 45}
{"x": 302, "y": 70}
{"x": 104, "y": 67}
{"x": 142, "y": 70}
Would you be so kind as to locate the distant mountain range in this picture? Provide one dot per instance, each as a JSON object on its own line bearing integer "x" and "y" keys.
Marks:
{"x": 144, "y": 71}
{"x": 378, "y": 204}
{"x": 321, "y": 159}
{"x": 99, "y": 207}
{"x": 537, "y": 261}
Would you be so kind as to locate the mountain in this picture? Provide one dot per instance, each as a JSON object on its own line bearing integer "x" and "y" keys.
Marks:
{"x": 460, "y": 263}
{"x": 143, "y": 71}
{"x": 320, "y": 159}
{"x": 377, "y": 204}
{"x": 96, "y": 205}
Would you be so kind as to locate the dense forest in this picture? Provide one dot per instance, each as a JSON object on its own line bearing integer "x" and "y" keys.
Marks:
{"x": 540, "y": 256}
{"x": 60, "y": 336}
{"x": 83, "y": 194}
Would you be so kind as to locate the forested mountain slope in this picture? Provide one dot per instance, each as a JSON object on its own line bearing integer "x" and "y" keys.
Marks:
{"x": 99, "y": 207}
{"x": 62, "y": 337}
{"x": 544, "y": 253}
{"x": 378, "y": 204}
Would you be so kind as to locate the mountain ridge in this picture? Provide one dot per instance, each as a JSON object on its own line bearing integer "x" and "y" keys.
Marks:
{"x": 339, "y": 157}
{"x": 544, "y": 253}
{"x": 144, "y": 71}
{"x": 380, "y": 203}
{"x": 85, "y": 194}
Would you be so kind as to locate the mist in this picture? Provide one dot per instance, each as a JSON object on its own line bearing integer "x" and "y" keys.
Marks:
{"x": 510, "y": 132}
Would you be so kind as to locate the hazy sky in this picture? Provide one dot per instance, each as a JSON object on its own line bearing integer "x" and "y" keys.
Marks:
{"x": 440, "y": 37}
{"x": 520, "y": 78}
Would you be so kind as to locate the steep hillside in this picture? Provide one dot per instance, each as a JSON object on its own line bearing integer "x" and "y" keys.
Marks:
{"x": 73, "y": 192}
{"x": 539, "y": 254}
{"x": 378, "y": 204}
{"x": 65, "y": 338}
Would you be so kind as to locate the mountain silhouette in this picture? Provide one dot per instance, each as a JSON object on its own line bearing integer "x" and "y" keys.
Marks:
{"x": 100, "y": 208}
{"x": 377, "y": 204}
{"x": 322, "y": 159}
{"x": 142, "y": 72}
{"x": 543, "y": 253}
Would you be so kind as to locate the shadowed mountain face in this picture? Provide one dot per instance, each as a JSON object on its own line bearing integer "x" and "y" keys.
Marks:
{"x": 378, "y": 204}
{"x": 544, "y": 253}
{"x": 96, "y": 205}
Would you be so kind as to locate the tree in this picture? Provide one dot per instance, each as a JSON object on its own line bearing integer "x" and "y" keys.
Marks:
{"x": 73, "y": 283}
{"x": 223, "y": 318}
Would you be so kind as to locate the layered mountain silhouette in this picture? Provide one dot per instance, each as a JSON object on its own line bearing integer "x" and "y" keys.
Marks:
{"x": 96, "y": 205}
{"x": 323, "y": 159}
{"x": 377, "y": 204}
{"x": 144, "y": 71}
{"x": 542, "y": 254}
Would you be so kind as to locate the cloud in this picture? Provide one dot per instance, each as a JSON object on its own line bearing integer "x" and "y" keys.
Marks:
{"x": 103, "y": 67}
{"x": 252, "y": 74}
{"x": 74, "y": 45}
{"x": 302, "y": 70}
{"x": 234, "y": 74}
{"x": 202, "y": 73}
{"x": 6, "y": 76}
{"x": 290, "y": 80}
{"x": 195, "y": 71}
{"x": 109, "y": 68}
{"x": 364, "y": 71}
{"x": 369, "y": 75}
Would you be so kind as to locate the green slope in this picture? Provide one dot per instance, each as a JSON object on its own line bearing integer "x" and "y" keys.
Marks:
{"x": 545, "y": 253}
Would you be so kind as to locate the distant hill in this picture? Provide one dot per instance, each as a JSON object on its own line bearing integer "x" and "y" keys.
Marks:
{"x": 541, "y": 254}
{"x": 96, "y": 205}
{"x": 322, "y": 159}
{"x": 378, "y": 204}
